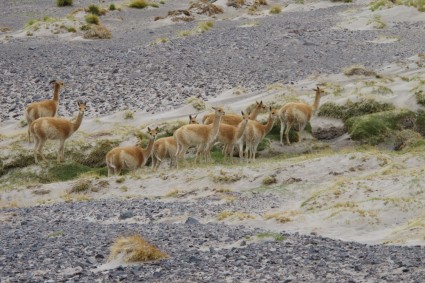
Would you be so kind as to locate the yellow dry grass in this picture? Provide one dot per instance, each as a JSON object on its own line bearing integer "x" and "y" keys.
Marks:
{"x": 135, "y": 249}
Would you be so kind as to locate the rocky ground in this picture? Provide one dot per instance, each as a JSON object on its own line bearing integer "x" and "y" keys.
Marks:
{"x": 48, "y": 234}
{"x": 71, "y": 242}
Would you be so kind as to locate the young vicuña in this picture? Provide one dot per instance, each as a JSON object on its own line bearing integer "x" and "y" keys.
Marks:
{"x": 166, "y": 148}
{"x": 53, "y": 128}
{"x": 130, "y": 157}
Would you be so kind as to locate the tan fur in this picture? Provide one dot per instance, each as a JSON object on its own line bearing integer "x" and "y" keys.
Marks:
{"x": 233, "y": 119}
{"x": 297, "y": 113}
{"x": 202, "y": 135}
{"x": 254, "y": 134}
{"x": 166, "y": 148}
{"x": 45, "y": 108}
{"x": 130, "y": 157}
{"x": 52, "y": 128}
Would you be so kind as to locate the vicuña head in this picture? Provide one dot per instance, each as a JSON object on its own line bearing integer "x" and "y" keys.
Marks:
{"x": 130, "y": 157}
{"x": 45, "y": 108}
{"x": 166, "y": 148}
{"x": 197, "y": 135}
{"x": 297, "y": 114}
{"x": 53, "y": 128}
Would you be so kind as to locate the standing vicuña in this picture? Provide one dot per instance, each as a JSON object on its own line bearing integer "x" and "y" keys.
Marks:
{"x": 131, "y": 157}
{"x": 255, "y": 133}
{"x": 297, "y": 113}
{"x": 233, "y": 119}
{"x": 45, "y": 108}
{"x": 52, "y": 128}
{"x": 166, "y": 147}
{"x": 202, "y": 135}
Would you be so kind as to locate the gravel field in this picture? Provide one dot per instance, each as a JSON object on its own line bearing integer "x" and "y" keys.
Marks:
{"x": 128, "y": 72}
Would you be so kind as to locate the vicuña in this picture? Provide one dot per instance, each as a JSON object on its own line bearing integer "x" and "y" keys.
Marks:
{"x": 167, "y": 148}
{"x": 198, "y": 135}
{"x": 130, "y": 157}
{"x": 297, "y": 114}
{"x": 45, "y": 108}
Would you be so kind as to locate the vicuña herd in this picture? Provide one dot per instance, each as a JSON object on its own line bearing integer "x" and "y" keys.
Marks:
{"x": 231, "y": 130}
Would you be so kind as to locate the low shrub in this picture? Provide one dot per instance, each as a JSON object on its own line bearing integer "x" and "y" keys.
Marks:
{"x": 353, "y": 109}
{"x": 112, "y": 7}
{"x": 276, "y": 9}
{"x": 62, "y": 3}
{"x": 138, "y": 4}
{"x": 92, "y": 19}
{"x": 97, "y": 32}
{"x": 358, "y": 70}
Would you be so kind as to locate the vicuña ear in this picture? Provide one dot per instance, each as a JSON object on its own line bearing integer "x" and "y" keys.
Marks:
{"x": 270, "y": 108}
{"x": 52, "y": 82}
{"x": 156, "y": 129}
{"x": 214, "y": 108}
{"x": 195, "y": 116}
{"x": 149, "y": 129}
{"x": 242, "y": 113}
{"x": 190, "y": 117}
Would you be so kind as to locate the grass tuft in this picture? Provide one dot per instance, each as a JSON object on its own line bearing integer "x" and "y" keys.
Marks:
{"x": 138, "y": 4}
{"x": 135, "y": 249}
{"x": 275, "y": 236}
{"x": 196, "y": 103}
{"x": 128, "y": 114}
{"x": 276, "y": 9}
{"x": 112, "y": 7}
{"x": 62, "y": 3}
{"x": 235, "y": 215}
{"x": 81, "y": 186}
{"x": 92, "y": 19}
{"x": 97, "y": 32}
{"x": 204, "y": 26}
{"x": 358, "y": 70}
{"x": 269, "y": 180}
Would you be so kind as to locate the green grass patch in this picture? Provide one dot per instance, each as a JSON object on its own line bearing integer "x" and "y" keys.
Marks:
{"x": 92, "y": 19}
{"x": 380, "y": 4}
{"x": 138, "y": 4}
{"x": 375, "y": 128}
{"x": 420, "y": 97}
{"x": 275, "y": 236}
{"x": 112, "y": 7}
{"x": 68, "y": 171}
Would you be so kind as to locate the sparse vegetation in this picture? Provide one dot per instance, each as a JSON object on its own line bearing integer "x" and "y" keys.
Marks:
{"x": 82, "y": 185}
{"x": 56, "y": 234}
{"x": 234, "y": 215}
{"x": 418, "y": 4}
{"x": 112, "y": 7}
{"x": 269, "y": 180}
{"x": 97, "y": 32}
{"x": 420, "y": 97}
{"x": 204, "y": 26}
{"x": 120, "y": 180}
{"x": 226, "y": 177}
{"x": 62, "y": 3}
{"x": 160, "y": 40}
{"x": 380, "y": 4}
{"x": 196, "y": 103}
{"x": 358, "y": 70}
{"x": 185, "y": 33}
{"x": 378, "y": 22}
{"x": 235, "y": 3}
{"x": 173, "y": 193}
{"x": 135, "y": 249}
{"x": 276, "y": 9}
{"x": 128, "y": 114}
{"x": 204, "y": 7}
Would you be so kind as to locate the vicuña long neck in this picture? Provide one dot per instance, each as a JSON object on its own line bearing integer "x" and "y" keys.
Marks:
{"x": 269, "y": 125}
{"x": 77, "y": 122}
{"x": 316, "y": 101}
{"x": 255, "y": 113}
{"x": 241, "y": 129}
{"x": 148, "y": 150}
{"x": 56, "y": 92}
